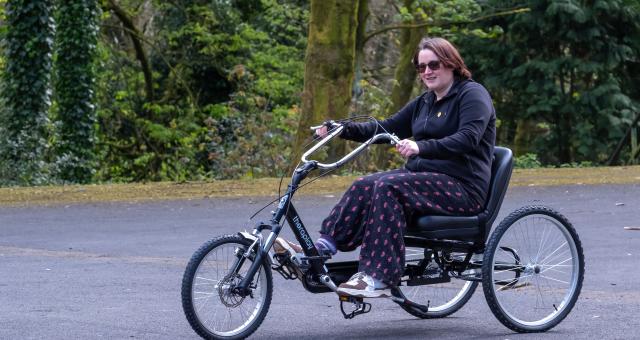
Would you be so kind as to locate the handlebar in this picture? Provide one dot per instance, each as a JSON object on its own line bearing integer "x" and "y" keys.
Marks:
{"x": 336, "y": 132}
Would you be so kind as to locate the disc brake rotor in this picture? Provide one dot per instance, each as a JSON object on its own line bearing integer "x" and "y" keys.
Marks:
{"x": 226, "y": 288}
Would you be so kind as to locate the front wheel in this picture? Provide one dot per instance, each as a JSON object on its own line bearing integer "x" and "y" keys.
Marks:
{"x": 533, "y": 269}
{"x": 209, "y": 302}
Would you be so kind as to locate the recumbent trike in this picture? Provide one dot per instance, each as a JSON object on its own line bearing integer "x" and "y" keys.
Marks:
{"x": 531, "y": 266}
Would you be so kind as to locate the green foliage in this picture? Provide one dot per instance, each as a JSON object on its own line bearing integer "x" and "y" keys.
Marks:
{"x": 531, "y": 161}
{"x": 584, "y": 164}
{"x": 3, "y": 18}
{"x": 527, "y": 161}
{"x": 74, "y": 87}
{"x": 28, "y": 42}
{"x": 227, "y": 76}
{"x": 572, "y": 83}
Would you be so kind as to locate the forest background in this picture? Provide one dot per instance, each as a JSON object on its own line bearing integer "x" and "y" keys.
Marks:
{"x": 181, "y": 90}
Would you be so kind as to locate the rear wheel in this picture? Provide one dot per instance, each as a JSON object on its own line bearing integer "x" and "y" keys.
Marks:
{"x": 442, "y": 299}
{"x": 210, "y": 304}
{"x": 533, "y": 269}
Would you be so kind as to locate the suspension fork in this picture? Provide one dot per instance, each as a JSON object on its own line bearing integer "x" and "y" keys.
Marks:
{"x": 284, "y": 209}
{"x": 240, "y": 258}
{"x": 261, "y": 249}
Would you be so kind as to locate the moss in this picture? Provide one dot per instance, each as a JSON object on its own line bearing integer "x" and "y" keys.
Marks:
{"x": 330, "y": 66}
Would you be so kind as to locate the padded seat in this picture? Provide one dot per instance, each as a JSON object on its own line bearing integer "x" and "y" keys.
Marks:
{"x": 470, "y": 228}
{"x": 446, "y": 227}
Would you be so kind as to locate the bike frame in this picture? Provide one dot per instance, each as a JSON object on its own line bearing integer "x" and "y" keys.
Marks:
{"x": 286, "y": 210}
{"x": 316, "y": 262}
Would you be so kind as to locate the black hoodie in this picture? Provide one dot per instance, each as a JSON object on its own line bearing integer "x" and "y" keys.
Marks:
{"x": 455, "y": 135}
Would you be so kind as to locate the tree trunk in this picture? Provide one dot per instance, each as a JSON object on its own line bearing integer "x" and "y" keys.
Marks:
{"x": 405, "y": 74}
{"x": 404, "y": 80}
{"x": 564, "y": 139}
{"x": 526, "y": 133}
{"x": 135, "y": 35}
{"x": 329, "y": 67}
{"x": 363, "y": 15}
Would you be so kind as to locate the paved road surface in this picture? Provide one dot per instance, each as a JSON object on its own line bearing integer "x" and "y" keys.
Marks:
{"x": 113, "y": 271}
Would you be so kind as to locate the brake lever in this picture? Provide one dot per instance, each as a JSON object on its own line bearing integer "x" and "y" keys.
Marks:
{"x": 393, "y": 139}
{"x": 329, "y": 124}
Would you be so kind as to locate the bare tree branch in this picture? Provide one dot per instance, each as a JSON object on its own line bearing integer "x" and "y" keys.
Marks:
{"x": 161, "y": 55}
{"x": 141, "y": 55}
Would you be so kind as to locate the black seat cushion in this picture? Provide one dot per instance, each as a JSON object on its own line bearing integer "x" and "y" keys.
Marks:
{"x": 445, "y": 227}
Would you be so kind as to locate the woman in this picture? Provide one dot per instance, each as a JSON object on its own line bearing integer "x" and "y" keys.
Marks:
{"x": 447, "y": 171}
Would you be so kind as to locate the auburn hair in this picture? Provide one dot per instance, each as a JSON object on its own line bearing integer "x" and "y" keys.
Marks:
{"x": 446, "y": 53}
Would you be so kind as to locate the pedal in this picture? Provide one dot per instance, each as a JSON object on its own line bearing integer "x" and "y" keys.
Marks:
{"x": 286, "y": 268}
{"x": 360, "y": 307}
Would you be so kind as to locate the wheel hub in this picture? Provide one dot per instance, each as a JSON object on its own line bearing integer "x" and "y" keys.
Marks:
{"x": 531, "y": 269}
{"x": 226, "y": 291}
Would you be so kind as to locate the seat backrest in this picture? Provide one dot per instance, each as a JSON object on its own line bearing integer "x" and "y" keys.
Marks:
{"x": 501, "y": 169}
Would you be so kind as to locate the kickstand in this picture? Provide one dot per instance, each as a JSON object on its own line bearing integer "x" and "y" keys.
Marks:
{"x": 360, "y": 307}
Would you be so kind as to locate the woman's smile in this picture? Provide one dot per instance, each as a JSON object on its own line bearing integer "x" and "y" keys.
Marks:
{"x": 434, "y": 75}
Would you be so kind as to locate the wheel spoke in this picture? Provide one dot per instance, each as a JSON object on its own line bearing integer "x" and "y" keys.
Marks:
{"x": 552, "y": 279}
{"x": 205, "y": 279}
{"x": 552, "y": 266}
{"x": 553, "y": 252}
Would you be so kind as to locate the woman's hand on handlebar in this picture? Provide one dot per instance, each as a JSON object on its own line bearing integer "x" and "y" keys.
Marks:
{"x": 322, "y": 131}
{"x": 407, "y": 148}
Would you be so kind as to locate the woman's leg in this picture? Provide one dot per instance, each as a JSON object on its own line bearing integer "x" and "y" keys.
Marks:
{"x": 395, "y": 199}
{"x": 345, "y": 224}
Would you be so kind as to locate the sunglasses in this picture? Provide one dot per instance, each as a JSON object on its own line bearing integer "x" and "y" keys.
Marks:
{"x": 433, "y": 65}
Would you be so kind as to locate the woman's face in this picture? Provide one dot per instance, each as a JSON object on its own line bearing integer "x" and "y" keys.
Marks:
{"x": 436, "y": 76}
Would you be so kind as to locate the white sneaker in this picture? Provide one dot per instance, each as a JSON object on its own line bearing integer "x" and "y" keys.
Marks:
{"x": 280, "y": 246}
{"x": 363, "y": 285}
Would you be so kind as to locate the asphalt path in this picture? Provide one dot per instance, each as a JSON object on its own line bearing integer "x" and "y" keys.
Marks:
{"x": 114, "y": 271}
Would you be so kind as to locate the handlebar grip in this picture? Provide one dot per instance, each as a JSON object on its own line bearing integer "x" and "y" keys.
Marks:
{"x": 330, "y": 124}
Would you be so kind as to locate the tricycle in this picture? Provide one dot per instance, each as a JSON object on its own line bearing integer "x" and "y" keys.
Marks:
{"x": 531, "y": 265}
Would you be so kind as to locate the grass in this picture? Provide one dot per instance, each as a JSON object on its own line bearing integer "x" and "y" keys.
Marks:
{"x": 335, "y": 185}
